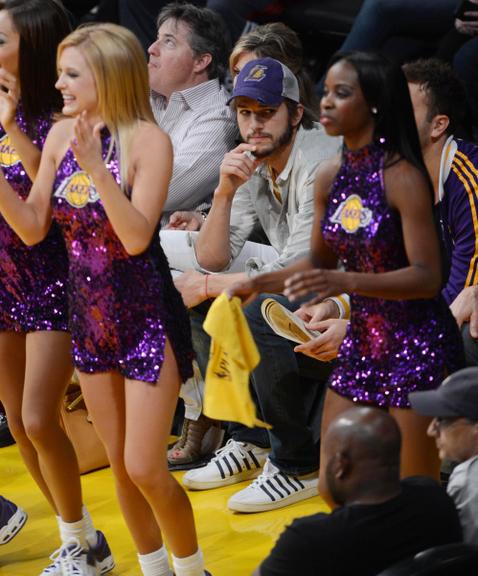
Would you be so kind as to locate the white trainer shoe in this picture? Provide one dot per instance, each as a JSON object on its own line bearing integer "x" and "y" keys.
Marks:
{"x": 72, "y": 560}
{"x": 12, "y": 519}
{"x": 101, "y": 554}
{"x": 233, "y": 463}
{"x": 274, "y": 489}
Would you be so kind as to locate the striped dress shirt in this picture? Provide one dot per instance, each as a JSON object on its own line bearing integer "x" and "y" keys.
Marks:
{"x": 202, "y": 129}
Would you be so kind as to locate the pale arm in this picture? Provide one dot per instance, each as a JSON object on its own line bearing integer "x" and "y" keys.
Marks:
{"x": 213, "y": 250}
{"x": 28, "y": 152}
{"x": 134, "y": 221}
{"x": 31, "y": 219}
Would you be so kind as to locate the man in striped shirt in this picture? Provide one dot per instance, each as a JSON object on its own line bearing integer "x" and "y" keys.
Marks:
{"x": 187, "y": 64}
{"x": 439, "y": 103}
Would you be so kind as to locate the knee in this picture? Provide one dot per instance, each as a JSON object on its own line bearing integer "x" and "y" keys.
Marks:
{"x": 253, "y": 312}
{"x": 377, "y": 9}
{"x": 16, "y": 427}
{"x": 147, "y": 474}
{"x": 115, "y": 454}
{"x": 38, "y": 427}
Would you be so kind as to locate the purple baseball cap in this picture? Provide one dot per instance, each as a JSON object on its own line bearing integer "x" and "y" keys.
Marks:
{"x": 266, "y": 80}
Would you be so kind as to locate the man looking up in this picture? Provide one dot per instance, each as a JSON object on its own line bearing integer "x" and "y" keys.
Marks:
{"x": 187, "y": 64}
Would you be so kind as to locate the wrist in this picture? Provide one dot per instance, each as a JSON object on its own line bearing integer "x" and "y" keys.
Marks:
{"x": 350, "y": 284}
{"x": 341, "y": 306}
{"x": 11, "y": 126}
{"x": 98, "y": 173}
{"x": 206, "y": 293}
{"x": 224, "y": 193}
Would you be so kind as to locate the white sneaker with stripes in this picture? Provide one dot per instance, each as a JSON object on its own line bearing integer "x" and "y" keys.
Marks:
{"x": 274, "y": 489}
{"x": 234, "y": 462}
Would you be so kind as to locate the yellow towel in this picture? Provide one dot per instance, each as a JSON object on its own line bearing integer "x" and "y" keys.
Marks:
{"x": 232, "y": 358}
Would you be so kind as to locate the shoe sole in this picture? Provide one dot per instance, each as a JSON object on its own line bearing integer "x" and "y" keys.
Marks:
{"x": 14, "y": 525}
{"x": 265, "y": 507}
{"x": 105, "y": 565}
{"x": 200, "y": 463}
{"x": 235, "y": 479}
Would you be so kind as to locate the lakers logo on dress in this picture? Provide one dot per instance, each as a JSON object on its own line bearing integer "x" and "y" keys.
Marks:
{"x": 78, "y": 190}
{"x": 352, "y": 215}
{"x": 8, "y": 154}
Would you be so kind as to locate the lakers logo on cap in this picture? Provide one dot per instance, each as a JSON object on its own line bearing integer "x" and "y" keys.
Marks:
{"x": 352, "y": 215}
{"x": 8, "y": 154}
{"x": 78, "y": 190}
{"x": 256, "y": 73}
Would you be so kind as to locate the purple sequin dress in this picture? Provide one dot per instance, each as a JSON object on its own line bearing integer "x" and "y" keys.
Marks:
{"x": 392, "y": 347}
{"x": 32, "y": 278}
{"x": 122, "y": 307}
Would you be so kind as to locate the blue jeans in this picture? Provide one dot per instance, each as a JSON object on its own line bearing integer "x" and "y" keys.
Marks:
{"x": 380, "y": 20}
{"x": 287, "y": 389}
{"x": 401, "y": 29}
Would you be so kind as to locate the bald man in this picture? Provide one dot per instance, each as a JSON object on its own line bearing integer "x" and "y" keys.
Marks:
{"x": 376, "y": 520}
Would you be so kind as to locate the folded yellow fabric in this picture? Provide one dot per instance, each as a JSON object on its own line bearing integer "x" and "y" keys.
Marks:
{"x": 233, "y": 356}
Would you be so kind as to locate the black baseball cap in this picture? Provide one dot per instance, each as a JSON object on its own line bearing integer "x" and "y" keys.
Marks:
{"x": 456, "y": 397}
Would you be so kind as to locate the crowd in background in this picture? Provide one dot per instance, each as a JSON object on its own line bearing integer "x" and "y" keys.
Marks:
{"x": 344, "y": 188}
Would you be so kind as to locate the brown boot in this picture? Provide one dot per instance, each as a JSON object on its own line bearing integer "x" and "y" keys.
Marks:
{"x": 198, "y": 439}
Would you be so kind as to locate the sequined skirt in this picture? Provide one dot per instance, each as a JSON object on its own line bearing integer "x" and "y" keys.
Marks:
{"x": 33, "y": 284}
{"x": 393, "y": 348}
{"x": 121, "y": 318}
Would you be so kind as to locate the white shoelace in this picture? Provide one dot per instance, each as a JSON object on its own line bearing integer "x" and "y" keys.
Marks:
{"x": 269, "y": 471}
{"x": 230, "y": 446}
{"x": 69, "y": 558}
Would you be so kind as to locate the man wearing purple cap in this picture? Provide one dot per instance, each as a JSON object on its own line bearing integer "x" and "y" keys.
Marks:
{"x": 266, "y": 181}
{"x": 454, "y": 408}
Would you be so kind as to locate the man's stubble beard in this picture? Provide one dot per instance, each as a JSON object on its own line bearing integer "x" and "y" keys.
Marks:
{"x": 277, "y": 145}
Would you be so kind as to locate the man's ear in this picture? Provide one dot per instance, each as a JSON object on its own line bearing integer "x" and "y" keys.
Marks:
{"x": 341, "y": 465}
{"x": 474, "y": 432}
{"x": 440, "y": 124}
{"x": 298, "y": 115}
{"x": 201, "y": 62}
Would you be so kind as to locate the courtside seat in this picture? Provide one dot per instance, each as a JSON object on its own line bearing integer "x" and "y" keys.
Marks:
{"x": 457, "y": 559}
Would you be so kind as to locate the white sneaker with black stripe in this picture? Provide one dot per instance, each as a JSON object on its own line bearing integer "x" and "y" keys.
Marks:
{"x": 234, "y": 462}
{"x": 274, "y": 489}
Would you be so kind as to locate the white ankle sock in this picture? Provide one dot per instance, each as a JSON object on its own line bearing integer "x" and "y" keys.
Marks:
{"x": 155, "y": 563}
{"x": 190, "y": 565}
{"x": 91, "y": 535}
{"x": 73, "y": 531}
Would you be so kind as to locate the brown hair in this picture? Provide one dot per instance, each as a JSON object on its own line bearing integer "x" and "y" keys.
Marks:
{"x": 207, "y": 34}
{"x": 41, "y": 25}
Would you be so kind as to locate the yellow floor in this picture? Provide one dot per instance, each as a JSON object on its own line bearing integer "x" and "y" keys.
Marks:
{"x": 233, "y": 544}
